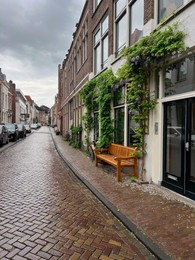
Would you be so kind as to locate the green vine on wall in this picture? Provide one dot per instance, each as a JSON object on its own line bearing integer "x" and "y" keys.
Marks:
{"x": 87, "y": 94}
{"x": 99, "y": 88}
{"x": 105, "y": 81}
{"x": 143, "y": 58}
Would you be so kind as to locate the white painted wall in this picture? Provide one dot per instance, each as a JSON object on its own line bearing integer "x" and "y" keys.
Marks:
{"x": 154, "y": 158}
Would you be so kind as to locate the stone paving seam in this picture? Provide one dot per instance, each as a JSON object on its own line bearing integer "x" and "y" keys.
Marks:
{"x": 128, "y": 223}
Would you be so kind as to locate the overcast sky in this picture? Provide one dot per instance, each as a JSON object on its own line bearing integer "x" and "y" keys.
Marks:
{"x": 35, "y": 36}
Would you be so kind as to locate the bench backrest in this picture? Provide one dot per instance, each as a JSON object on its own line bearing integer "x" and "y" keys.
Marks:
{"x": 117, "y": 149}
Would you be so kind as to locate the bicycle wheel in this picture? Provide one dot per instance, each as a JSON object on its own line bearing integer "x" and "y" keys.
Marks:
{"x": 90, "y": 152}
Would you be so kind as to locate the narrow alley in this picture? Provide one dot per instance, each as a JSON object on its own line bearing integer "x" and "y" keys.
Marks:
{"x": 47, "y": 213}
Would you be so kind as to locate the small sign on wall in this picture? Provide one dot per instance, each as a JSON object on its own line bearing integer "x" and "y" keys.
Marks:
{"x": 156, "y": 128}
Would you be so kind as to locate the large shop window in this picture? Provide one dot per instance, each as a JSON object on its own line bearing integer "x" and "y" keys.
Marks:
{"x": 120, "y": 25}
{"x": 167, "y": 7}
{"x": 101, "y": 46}
{"x": 136, "y": 21}
{"x": 179, "y": 78}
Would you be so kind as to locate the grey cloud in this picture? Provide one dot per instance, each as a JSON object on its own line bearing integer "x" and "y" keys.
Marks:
{"x": 35, "y": 36}
{"x": 46, "y": 26}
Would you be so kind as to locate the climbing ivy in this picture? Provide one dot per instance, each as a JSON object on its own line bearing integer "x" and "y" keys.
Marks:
{"x": 99, "y": 88}
{"x": 143, "y": 58}
{"x": 105, "y": 81}
{"x": 87, "y": 94}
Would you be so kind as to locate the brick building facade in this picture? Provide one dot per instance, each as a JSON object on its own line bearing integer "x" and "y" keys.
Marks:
{"x": 104, "y": 28}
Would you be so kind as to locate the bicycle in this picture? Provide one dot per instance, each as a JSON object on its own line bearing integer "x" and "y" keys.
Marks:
{"x": 90, "y": 150}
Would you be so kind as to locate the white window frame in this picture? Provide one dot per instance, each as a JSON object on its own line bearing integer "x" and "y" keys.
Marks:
{"x": 118, "y": 18}
{"x": 99, "y": 37}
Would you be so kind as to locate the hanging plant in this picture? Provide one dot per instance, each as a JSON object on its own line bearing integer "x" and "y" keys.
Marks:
{"x": 147, "y": 55}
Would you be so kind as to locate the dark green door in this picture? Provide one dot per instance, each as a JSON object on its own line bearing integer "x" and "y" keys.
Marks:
{"x": 179, "y": 147}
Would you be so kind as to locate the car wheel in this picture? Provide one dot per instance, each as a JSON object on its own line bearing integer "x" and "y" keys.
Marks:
{"x": 15, "y": 137}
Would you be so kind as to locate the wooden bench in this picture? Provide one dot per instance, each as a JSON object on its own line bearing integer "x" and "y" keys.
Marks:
{"x": 118, "y": 156}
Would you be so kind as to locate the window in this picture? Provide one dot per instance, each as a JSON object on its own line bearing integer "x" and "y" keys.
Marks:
{"x": 179, "y": 77}
{"x": 71, "y": 109}
{"x": 136, "y": 21}
{"x": 119, "y": 126}
{"x": 132, "y": 129}
{"x": 157, "y": 82}
{"x": 119, "y": 95}
{"x": 95, "y": 4}
{"x": 119, "y": 113}
{"x": 182, "y": 71}
{"x": 96, "y": 126}
{"x": 97, "y": 59}
{"x": 101, "y": 46}
{"x": 104, "y": 52}
{"x": 105, "y": 25}
{"x": 84, "y": 42}
{"x": 167, "y": 7}
{"x": 119, "y": 6}
{"x": 120, "y": 25}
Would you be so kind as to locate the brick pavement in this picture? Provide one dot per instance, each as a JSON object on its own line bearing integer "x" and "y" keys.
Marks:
{"x": 165, "y": 225}
{"x": 47, "y": 213}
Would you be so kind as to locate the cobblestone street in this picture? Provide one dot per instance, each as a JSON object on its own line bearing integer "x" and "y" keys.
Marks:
{"x": 46, "y": 213}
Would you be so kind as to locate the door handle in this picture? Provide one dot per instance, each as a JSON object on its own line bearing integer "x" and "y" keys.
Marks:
{"x": 187, "y": 146}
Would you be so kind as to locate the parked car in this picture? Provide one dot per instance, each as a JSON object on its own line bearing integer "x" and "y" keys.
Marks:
{"x": 4, "y": 138}
{"x": 22, "y": 130}
{"x": 28, "y": 128}
{"x": 34, "y": 126}
{"x": 13, "y": 131}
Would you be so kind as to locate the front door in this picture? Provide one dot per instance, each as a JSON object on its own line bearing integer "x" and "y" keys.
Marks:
{"x": 179, "y": 147}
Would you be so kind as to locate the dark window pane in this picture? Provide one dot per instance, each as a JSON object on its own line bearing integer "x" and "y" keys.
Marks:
{"x": 119, "y": 95}
{"x": 180, "y": 78}
{"x": 119, "y": 126}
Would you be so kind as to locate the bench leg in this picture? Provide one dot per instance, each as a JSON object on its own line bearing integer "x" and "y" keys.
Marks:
{"x": 118, "y": 168}
{"x": 96, "y": 161}
{"x": 135, "y": 171}
{"x": 135, "y": 168}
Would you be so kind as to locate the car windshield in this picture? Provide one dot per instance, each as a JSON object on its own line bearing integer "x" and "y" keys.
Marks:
{"x": 11, "y": 127}
{"x": 20, "y": 126}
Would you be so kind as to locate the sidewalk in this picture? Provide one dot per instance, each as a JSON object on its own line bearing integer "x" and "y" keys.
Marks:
{"x": 161, "y": 219}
